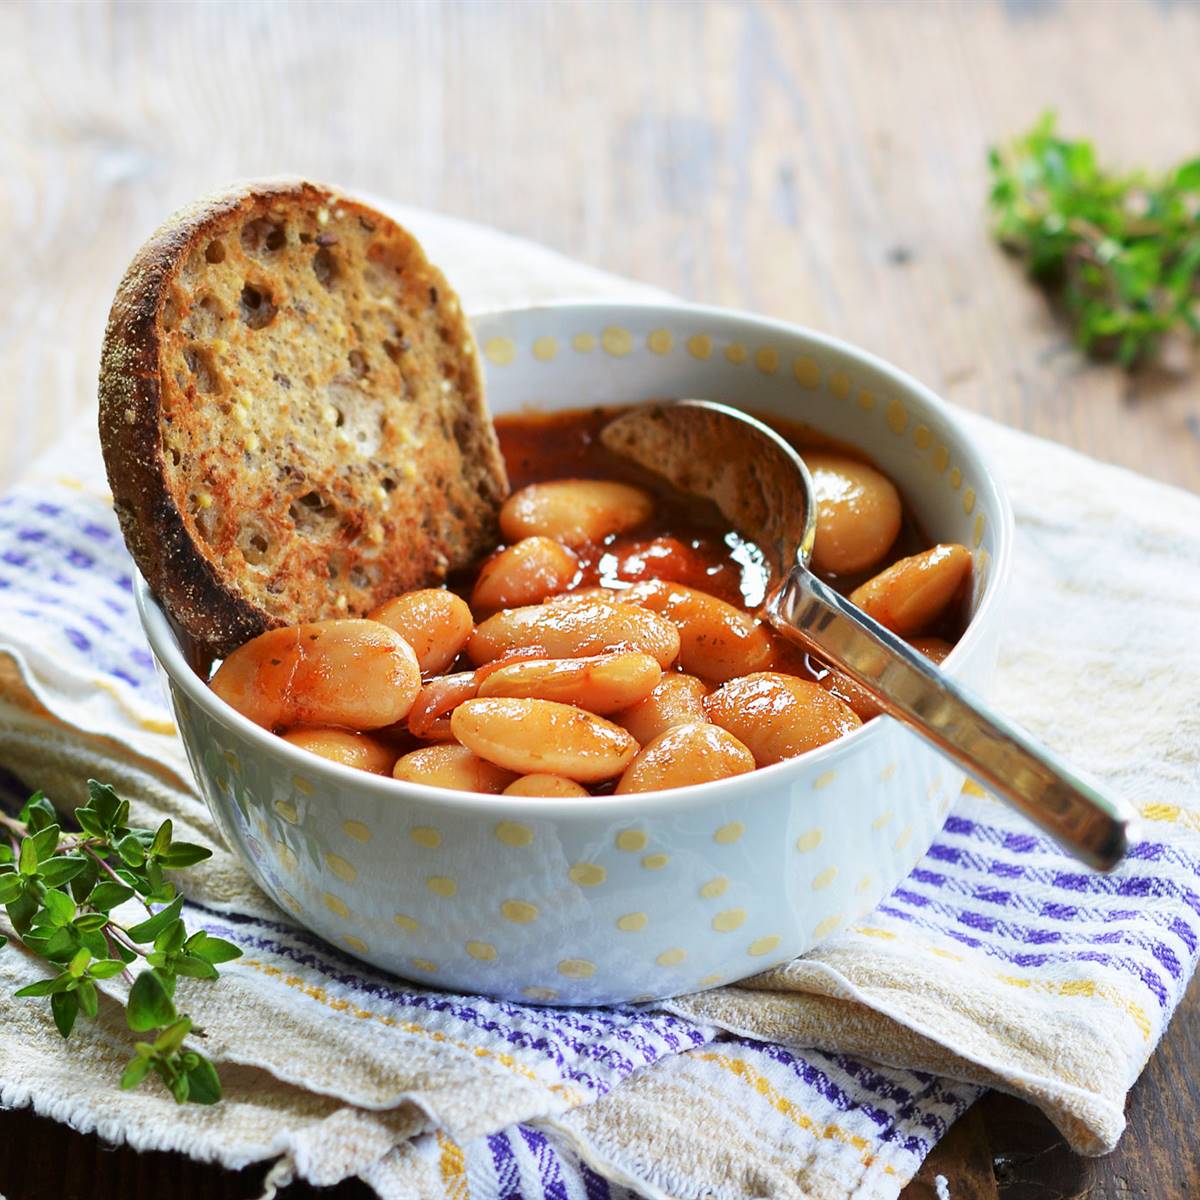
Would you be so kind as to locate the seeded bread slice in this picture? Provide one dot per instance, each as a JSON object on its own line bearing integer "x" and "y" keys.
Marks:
{"x": 292, "y": 414}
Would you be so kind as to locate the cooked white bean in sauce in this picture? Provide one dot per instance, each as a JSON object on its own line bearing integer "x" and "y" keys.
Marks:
{"x": 527, "y": 572}
{"x": 545, "y": 785}
{"x": 353, "y": 674}
{"x": 697, "y": 752}
{"x": 602, "y": 683}
{"x": 435, "y": 622}
{"x": 676, "y": 699}
{"x": 858, "y": 513}
{"x": 617, "y": 646}
{"x": 543, "y": 737}
{"x": 448, "y": 765}
{"x": 575, "y": 631}
{"x": 358, "y": 750}
{"x": 574, "y": 512}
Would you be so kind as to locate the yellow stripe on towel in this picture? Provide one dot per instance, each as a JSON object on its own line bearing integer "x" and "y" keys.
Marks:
{"x": 453, "y": 1166}
{"x": 763, "y": 1086}
{"x": 336, "y": 1004}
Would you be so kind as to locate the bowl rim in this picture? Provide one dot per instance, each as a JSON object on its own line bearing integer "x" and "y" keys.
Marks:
{"x": 167, "y": 649}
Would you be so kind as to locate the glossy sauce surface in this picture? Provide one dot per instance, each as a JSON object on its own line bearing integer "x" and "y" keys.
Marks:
{"x": 685, "y": 540}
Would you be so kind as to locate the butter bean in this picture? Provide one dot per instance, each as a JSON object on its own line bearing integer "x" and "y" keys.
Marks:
{"x": 779, "y": 716}
{"x": 575, "y": 512}
{"x": 684, "y": 755}
{"x": 525, "y": 573}
{"x": 448, "y": 765}
{"x": 352, "y": 674}
{"x": 912, "y": 593}
{"x": 933, "y": 648}
{"x": 676, "y": 700}
{"x": 545, "y": 785}
{"x": 858, "y": 513}
{"x": 716, "y": 640}
{"x": 536, "y": 737}
{"x": 435, "y": 622}
{"x": 429, "y": 716}
{"x": 575, "y": 631}
{"x": 603, "y": 683}
{"x": 357, "y": 750}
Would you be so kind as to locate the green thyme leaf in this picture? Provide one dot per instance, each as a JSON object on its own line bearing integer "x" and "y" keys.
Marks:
{"x": 204, "y": 1085}
{"x": 107, "y": 895}
{"x": 149, "y": 1005}
{"x": 183, "y": 854}
{"x": 65, "y": 1007}
{"x": 135, "y": 1071}
{"x": 61, "y": 870}
{"x": 148, "y": 930}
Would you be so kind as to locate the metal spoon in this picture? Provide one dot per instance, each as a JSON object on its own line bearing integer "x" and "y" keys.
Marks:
{"x": 762, "y": 487}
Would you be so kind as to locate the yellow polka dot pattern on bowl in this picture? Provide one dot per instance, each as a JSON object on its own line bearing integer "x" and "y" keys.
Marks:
{"x": 520, "y": 912}
{"x": 616, "y": 341}
{"x": 809, "y": 841}
{"x": 545, "y": 349}
{"x": 424, "y": 836}
{"x": 660, "y": 341}
{"x": 672, "y": 957}
{"x": 341, "y": 868}
{"x": 736, "y": 353}
{"x": 807, "y": 372}
{"x": 407, "y": 923}
{"x": 714, "y": 888}
{"x": 336, "y": 904}
{"x": 824, "y": 879}
{"x": 766, "y": 359}
{"x": 512, "y": 834}
{"x": 577, "y": 968}
{"x": 763, "y": 945}
{"x": 728, "y": 834}
{"x": 440, "y": 885}
{"x": 288, "y": 811}
{"x": 729, "y": 920}
{"x": 587, "y": 874}
{"x": 700, "y": 346}
{"x": 827, "y": 926}
{"x": 481, "y": 951}
{"x": 539, "y": 993}
{"x": 632, "y": 922}
{"x": 655, "y": 862}
{"x": 355, "y": 943}
{"x": 631, "y": 840}
{"x": 585, "y": 343}
{"x": 500, "y": 350}
{"x": 356, "y": 830}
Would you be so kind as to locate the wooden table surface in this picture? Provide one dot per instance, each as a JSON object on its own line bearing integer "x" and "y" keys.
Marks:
{"x": 820, "y": 162}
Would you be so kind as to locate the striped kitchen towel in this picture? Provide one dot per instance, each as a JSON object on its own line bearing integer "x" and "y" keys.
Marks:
{"x": 999, "y": 962}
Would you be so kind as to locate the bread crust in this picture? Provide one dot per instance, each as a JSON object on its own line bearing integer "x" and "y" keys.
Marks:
{"x": 215, "y": 596}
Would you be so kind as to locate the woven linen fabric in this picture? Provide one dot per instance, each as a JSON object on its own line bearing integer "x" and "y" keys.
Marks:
{"x": 999, "y": 961}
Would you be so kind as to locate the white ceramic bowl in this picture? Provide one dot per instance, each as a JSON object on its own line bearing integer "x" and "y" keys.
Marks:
{"x": 640, "y": 896}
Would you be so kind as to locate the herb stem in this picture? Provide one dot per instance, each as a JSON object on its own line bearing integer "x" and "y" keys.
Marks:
{"x": 115, "y": 877}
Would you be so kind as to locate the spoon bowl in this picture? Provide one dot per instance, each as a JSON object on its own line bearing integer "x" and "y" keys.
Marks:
{"x": 762, "y": 487}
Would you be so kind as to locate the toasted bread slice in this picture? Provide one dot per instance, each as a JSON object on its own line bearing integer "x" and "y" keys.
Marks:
{"x": 292, "y": 414}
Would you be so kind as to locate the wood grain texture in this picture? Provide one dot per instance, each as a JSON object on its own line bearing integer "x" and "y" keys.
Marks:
{"x": 821, "y": 162}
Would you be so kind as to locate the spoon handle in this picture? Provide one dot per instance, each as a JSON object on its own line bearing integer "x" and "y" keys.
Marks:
{"x": 1000, "y": 756}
